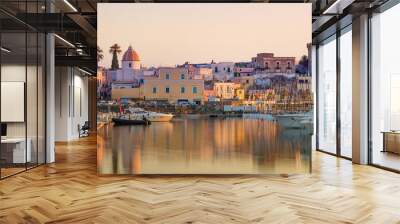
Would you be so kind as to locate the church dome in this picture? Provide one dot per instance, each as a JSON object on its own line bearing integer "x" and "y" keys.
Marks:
{"x": 130, "y": 55}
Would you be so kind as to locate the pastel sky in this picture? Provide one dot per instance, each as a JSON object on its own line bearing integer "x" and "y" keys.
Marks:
{"x": 170, "y": 34}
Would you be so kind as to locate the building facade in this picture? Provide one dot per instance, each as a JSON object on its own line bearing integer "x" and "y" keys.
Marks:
{"x": 272, "y": 64}
{"x": 173, "y": 85}
{"x": 228, "y": 90}
{"x": 223, "y": 71}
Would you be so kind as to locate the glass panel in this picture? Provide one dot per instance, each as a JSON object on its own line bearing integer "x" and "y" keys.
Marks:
{"x": 346, "y": 94}
{"x": 31, "y": 98}
{"x": 13, "y": 85}
{"x": 41, "y": 98}
{"x": 327, "y": 96}
{"x": 385, "y": 84}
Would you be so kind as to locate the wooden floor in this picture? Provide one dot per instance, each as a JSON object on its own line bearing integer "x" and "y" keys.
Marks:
{"x": 70, "y": 191}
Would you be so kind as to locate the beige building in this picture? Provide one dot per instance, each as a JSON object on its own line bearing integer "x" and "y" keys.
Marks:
{"x": 173, "y": 85}
{"x": 127, "y": 93}
{"x": 272, "y": 64}
{"x": 245, "y": 81}
{"x": 202, "y": 73}
{"x": 228, "y": 90}
{"x": 304, "y": 83}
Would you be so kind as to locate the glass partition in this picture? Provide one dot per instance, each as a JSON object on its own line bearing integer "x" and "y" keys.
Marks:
{"x": 326, "y": 96}
{"x": 22, "y": 66}
{"x": 31, "y": 97}
{"x": 14, "y": 153}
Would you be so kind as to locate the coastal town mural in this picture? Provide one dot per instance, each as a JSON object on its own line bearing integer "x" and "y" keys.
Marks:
{"x": 252, "y": 115}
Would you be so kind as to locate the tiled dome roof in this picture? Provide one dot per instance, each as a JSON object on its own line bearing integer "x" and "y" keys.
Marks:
{"x": 130, "y": 55}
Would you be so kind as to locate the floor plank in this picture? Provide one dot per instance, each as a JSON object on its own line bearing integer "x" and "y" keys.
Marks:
{"x": 69, "y": 191}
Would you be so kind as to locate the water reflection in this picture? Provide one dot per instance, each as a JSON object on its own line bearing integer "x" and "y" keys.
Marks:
{"x": 203, "y": 146}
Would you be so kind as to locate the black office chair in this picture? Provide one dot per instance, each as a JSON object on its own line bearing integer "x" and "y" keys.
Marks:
{"x": 84, "y": 130}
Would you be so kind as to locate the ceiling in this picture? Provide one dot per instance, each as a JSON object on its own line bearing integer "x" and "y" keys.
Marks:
{"x": 75, "y": 21}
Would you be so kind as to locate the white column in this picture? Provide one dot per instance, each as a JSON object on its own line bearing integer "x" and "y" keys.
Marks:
{"x": 360, "y": 90}
{"x": 313, "y": 69}
{"x": 50, "y": 100}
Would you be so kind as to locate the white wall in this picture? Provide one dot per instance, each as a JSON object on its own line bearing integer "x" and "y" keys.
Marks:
{"x": 71, "y": 102}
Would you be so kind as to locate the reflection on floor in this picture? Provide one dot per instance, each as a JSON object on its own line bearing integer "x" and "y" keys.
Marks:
{"x": 10, "y": 171}
{"x": 70, "y": 191}
{"x": 387, "y": 159}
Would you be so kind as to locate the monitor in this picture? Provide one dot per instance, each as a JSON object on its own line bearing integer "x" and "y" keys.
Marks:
{"x": 3, "y": 129}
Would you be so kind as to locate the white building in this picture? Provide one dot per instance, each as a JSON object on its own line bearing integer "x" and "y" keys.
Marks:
{"x": 223, "y": 71}
{"x": 130, "y": 70}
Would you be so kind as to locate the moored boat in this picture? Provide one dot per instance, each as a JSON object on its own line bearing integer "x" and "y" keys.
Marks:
{"x": 149, "y": 115}
{"x": 295, "y": 120}
{"x": 130, "y": 120}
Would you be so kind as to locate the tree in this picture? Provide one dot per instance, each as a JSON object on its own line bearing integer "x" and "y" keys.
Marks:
{"x": 100, "y": 55}
{"x": 115, "y": 49}
{"x": 302, "y": 66}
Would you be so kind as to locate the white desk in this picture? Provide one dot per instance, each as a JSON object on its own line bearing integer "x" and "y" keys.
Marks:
{"x": 18, "y": 150}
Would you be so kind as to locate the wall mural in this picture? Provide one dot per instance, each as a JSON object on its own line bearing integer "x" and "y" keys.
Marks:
{"x": 204, "y": 88}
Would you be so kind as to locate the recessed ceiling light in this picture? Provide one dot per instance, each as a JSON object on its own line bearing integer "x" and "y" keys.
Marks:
{"x": 70, "y": 5}
{"x": 5, "y": 50}
{"x": 64, "y": 40}
{"x": 86, "y": 72}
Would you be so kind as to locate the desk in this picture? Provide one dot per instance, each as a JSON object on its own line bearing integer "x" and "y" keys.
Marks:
{"x": 15, "y": 148}
{"x": 391, "y": 141}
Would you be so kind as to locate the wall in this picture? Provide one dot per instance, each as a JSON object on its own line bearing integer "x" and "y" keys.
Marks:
{"x": 175, "y": 89}
{"x": 131, "y": 93}
{"x": 71, "y": 102}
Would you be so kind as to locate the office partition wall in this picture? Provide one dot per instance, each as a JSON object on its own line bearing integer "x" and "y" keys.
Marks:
{"x": 22, "y": 87}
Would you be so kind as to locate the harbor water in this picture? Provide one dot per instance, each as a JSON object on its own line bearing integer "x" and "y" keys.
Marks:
{"x": 203, "y": 145}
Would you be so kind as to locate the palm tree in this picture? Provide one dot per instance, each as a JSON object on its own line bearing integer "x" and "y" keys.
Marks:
{"x": 115, "y": 49}
{"x": 100, "y": 55}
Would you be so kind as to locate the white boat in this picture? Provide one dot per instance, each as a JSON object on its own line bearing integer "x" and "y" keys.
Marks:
{"x": 149, "y": 115}
{"x": 295, "y": 120}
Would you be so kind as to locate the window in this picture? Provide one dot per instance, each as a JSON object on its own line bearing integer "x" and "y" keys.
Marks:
{"x": 167, "y": 76}
{"x": 154, "y": 90}
{"x": 288, "y": 66}
{"x": 266, "y": 65}
{"x": 182, "y": 76}
{"x": 346, "y": 94}
{"x": 130, "y": 65}
{"x": 229, "y": 69}
{"x": 385, "y": 89}
{"x": 167, "y": 90}
{"x": 182, "y": 89}
{"x": 327, "y": 98}
{"x": 216, "y": 69}
{"x": 277, "y": 65}
{"x": 194, "y": 89}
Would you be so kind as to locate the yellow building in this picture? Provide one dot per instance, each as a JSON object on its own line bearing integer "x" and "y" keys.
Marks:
{"x": 173, "y": 85}
{"x": 127, "y": 93}
{"x": 228, "y": 90}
